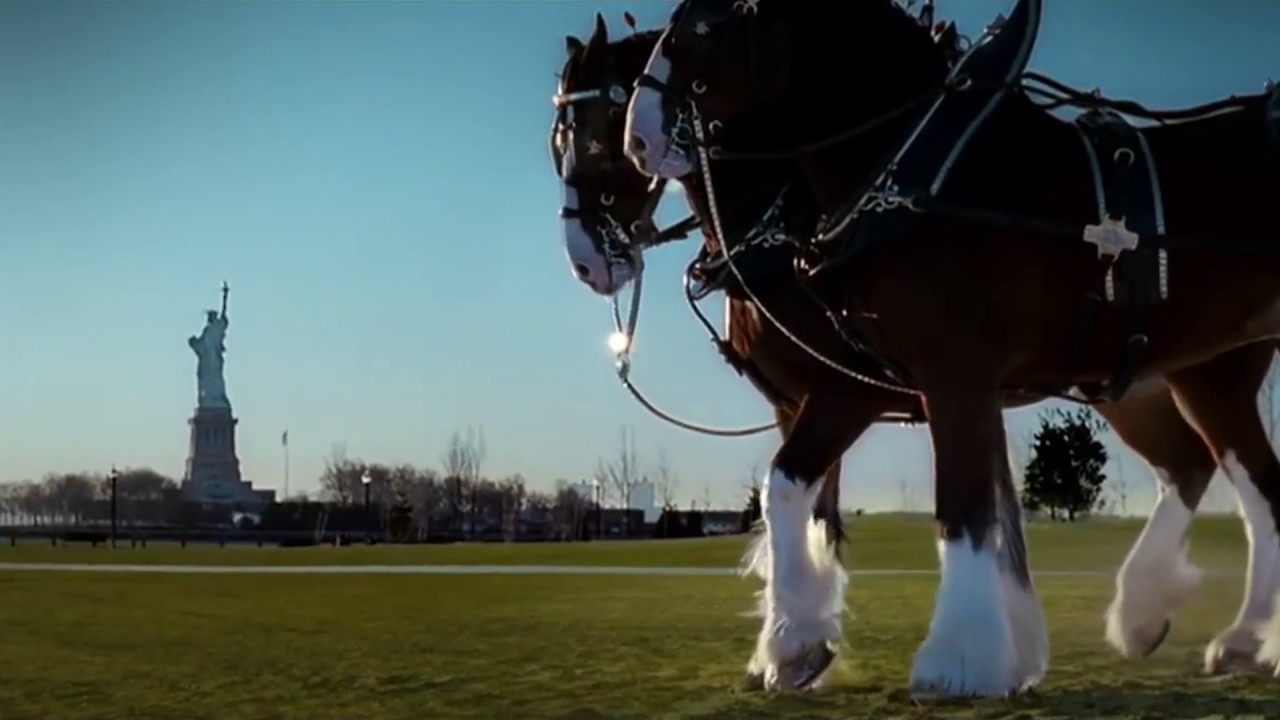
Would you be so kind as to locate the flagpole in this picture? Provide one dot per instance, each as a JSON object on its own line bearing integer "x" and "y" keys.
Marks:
{"x": 285, "y": 441}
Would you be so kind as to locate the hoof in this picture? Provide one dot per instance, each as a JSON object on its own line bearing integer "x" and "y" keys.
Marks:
{"x": 1230, "y": 661}
{"x": 1158, "y": 640}
{"x": 802, "y": 672}
{"x": 1235, "y": 650}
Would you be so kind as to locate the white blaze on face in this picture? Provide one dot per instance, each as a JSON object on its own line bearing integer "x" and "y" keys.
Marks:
{"x": 646, "y": 141}
{"x": 588, "y": 264}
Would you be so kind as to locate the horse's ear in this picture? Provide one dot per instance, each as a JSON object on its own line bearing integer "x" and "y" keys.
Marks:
{"x": 571, "y": 44}
{"x": 600, "y": 34}
{"x": 629, "y": 19}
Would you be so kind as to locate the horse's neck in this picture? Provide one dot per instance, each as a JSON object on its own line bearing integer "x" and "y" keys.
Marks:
{"x": 634, "y": 51}
{"x": 744, "y": 191}
{"x": 832, "y": 98}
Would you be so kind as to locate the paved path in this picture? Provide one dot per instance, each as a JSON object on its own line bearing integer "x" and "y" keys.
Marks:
{"x": 451, "y": 570}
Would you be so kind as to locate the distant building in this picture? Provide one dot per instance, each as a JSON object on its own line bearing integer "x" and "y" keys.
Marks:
{"x": 721, "y": 522}
{"x": 585, "y": 490}
{"x": 643, "y": 498}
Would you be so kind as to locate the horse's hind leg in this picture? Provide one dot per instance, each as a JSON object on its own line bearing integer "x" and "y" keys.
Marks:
{"x": 1156, "y": 578}
{"x": 1220, "y": 398}
{"x": 803, "y": 598}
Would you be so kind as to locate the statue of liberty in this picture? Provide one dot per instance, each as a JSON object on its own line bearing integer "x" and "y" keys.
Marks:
{"x": 209, "y": 346}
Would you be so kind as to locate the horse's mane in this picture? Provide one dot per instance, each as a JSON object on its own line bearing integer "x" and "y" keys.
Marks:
{"x": 837, "y": 18}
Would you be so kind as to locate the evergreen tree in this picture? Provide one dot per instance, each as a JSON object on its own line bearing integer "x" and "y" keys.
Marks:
{"x": 1065, "y": 474}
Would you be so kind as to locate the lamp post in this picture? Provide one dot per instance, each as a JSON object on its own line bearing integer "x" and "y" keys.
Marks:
{"x": 114, "y": 479}
{"x": 597, "y": 492}
{"x": 367, "y": 481}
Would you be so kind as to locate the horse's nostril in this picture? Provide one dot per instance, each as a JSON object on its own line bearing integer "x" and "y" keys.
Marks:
{"x": 582, "y": 271}
{"x": 636, "y": 145}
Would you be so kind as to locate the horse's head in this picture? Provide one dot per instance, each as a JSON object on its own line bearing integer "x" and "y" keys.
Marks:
{"x": 608, "y": 205}
{"x": 719, "y": 60}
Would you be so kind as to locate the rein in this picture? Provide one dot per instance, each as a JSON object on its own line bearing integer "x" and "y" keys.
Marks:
{"x": 619, "y": 243}
{"x": 623, "y": 360}
{"x": 713, "y": 207}
{"x": 1055, "y": 95}
{"x": 716, "y": 152}
{"x": 624, "y": 334}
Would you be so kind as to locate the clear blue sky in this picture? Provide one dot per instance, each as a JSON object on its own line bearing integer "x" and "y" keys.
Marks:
{"x": 372, "y": 180}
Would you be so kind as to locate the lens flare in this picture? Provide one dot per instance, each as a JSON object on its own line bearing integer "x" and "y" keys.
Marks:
{"x": 619, "y": 342}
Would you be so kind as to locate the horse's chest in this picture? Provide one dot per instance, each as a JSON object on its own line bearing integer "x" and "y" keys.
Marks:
{"x": 761, "y": 362}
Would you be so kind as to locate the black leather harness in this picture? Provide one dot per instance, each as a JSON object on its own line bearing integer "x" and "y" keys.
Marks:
{"x": 1129, "y": 201}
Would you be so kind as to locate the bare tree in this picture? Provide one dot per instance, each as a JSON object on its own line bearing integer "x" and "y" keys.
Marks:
{"x": 430, "y": 500}
{"x": 335, "y": 480}
{"x": 753, "y": 478}
{"x": 569, "y": 511}
{"x": 622, "y": 473}
{"x": 32, "y": 503}
{"x": 462, "y": 464}
{"x": 666, "y": 481}
{"x": 10, "y": 502}
{"x": 706, "y": 496}
{"x": 514, "y": 494}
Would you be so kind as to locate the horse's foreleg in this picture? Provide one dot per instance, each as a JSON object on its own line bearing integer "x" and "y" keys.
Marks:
{"x": 756, "y": 559}
{"x": 803, "y": 598}
{"x": 986, "y": 615}
{"x": 832, "y": 581}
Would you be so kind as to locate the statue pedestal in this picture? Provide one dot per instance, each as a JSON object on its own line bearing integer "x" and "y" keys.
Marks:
{"x": 212, "y": 475}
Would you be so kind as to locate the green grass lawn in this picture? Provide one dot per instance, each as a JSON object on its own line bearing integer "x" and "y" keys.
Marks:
{"x": 532, "y": 647}
{"x": 876, "y": 541}
{"x": 375, "y": 647}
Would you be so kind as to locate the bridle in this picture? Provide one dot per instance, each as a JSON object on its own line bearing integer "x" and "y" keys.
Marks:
{"x": 619, "y": 243}
{"x": 591, "y": 157}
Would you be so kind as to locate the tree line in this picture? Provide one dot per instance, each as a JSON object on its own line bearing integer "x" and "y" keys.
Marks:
{"x": 76, "y": 497}
{"x": 457, "y": 499}
{"x": 1063, "y": 479}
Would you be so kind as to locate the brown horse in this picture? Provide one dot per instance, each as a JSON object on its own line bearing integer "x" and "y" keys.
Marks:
{"x": 607, "y": 208}
{"x": 604, "y": 193}
{"x": 955, "y": 208}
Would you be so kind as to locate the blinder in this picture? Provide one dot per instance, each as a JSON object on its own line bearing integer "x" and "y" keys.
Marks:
{"x": 593, "y": 158}
{"x": 590, "y": 153}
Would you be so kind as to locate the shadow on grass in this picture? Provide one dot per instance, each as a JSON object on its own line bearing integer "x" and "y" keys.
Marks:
{"x": 1147, "y": 703}
{"x": 878, "y": 702}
